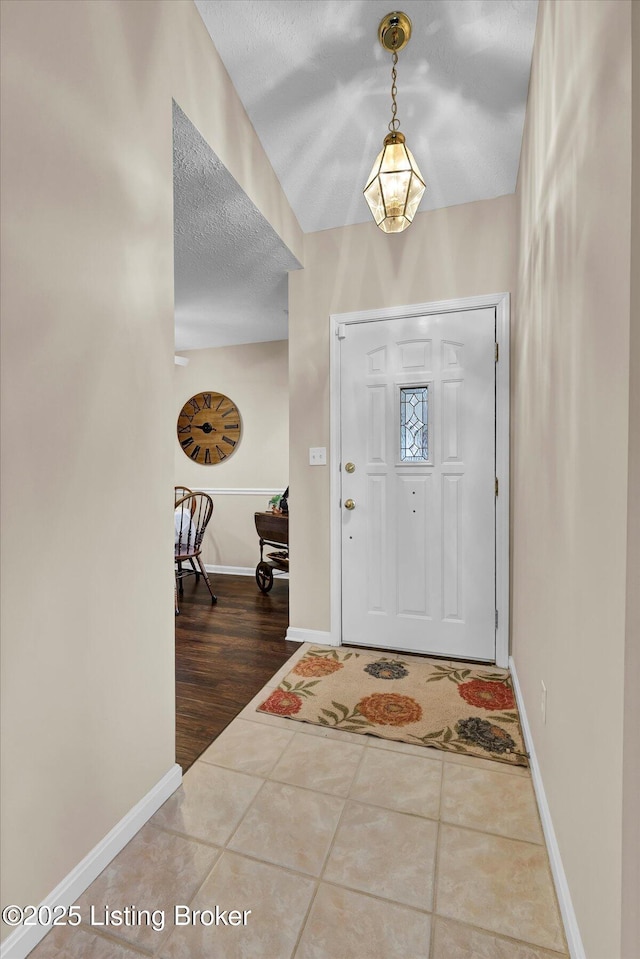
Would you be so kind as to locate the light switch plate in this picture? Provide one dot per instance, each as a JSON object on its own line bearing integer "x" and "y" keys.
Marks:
{"x": 317, "y": 456}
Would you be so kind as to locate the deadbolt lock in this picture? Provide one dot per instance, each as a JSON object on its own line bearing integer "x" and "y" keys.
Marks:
{"x": 350, "y": 468}
{"x": 349, "y": 504}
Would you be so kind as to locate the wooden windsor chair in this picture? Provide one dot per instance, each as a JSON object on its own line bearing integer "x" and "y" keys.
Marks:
{"x": 179, "y": 492}
{"x": 192, "y": 515}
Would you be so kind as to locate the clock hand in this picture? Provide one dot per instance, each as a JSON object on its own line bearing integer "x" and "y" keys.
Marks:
{"x": 206, "y": 428}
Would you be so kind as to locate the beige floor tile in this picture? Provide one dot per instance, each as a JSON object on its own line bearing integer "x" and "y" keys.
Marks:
{"x": 482, "y": 799}
{"x": 502, "y": 885}
{"x": 385, "y": 853}
{"x": 209, "y": 804}
{"x": 398, "y": 781}
{"x": 150, "y": 872}
{"x": 73, "y": 942}
{"x": 348, "y": 925}
{"x": 278, "y": 901}
{"x": 426, "y": 752}
{"x": 327, "y": 765}
{"x": 452, "y": 940}
{"x": 326, "y": 732}
{"x": 491, "y": 764}
{"x": 290, "y": 827}
{"x": 248, "y": 747}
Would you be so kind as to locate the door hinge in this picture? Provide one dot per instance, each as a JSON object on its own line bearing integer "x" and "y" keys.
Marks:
{"x": 496, "y": 485}
{"x": 497, "y": 352}
{"x": 341, "y": 331}
{"x": 496, "y": 618}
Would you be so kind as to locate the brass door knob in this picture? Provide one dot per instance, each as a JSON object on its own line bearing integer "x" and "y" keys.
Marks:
{"x": 350, "y": 468}
{"x": 349, "y": 504}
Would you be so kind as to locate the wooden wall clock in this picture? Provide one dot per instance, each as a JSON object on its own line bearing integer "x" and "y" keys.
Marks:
{"x": 209, "y": 428}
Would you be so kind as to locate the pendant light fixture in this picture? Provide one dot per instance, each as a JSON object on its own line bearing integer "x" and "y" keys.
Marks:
{"x": 395, "y": 186}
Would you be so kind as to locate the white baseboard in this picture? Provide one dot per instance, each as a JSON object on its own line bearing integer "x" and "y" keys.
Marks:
{"x": 239, "y": 491}
{"x": 572, "y": 932}
{"x": 317, "y": 636}
{"x": 231, "y": 570}
{"x": 241, "y": 571}
{"x": 20, "y": 943}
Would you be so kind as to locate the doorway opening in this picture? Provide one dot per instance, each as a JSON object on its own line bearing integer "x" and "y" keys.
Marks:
{"x": 231, "y": 333}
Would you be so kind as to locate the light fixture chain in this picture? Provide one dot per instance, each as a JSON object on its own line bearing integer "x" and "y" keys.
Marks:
{"x": 395, "y": 187}
{"x": 394, "y": 123}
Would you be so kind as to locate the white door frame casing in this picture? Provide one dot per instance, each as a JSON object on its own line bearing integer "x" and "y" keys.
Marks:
{"x": 501, "y": 302}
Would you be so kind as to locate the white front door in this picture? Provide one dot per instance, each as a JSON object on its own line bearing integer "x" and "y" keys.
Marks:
{"x": 417, "y": 400}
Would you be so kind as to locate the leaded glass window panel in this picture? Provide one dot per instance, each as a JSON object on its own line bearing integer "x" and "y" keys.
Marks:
{"x": 414, "y": 425}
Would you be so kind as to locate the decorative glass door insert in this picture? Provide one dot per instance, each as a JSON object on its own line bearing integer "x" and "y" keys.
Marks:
{"x": 414, "y": 424}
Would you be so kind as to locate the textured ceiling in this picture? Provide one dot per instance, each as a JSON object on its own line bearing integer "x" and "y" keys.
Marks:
{"x": 316, "y": 85}
{"x": 230, "y": 265}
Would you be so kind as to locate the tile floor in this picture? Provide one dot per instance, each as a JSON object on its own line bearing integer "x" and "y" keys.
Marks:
{"x": 341, "y": 846}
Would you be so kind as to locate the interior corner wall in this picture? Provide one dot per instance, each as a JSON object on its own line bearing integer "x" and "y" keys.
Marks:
{"x": 88, "y": 415}
{"x": 631, "y": 737}
{"x": 458, "y": 251}
{"x": 570, "y": 429}
{"x": 255, "y": 377}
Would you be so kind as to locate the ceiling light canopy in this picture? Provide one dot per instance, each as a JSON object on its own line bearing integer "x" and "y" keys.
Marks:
{"x": 395, "y": 186}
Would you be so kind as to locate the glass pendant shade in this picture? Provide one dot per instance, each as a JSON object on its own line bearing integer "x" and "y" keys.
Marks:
{"x": 395, "y": 186}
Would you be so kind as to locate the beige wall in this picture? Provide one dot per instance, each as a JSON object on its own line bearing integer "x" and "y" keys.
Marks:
{"x": 255, "y": 377}
{"x": 570, "y": 427}
{"x": 631, "y": 756}
{"x": 458, "y": 251}
{"x": 88, "y": 409}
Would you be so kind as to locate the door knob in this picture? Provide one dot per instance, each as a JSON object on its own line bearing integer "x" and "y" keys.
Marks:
{"x": 349, "y": 504}
{"x": 350, "y": 468}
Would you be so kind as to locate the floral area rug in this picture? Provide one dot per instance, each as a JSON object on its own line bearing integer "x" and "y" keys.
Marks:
{"x": 458, "y": 707}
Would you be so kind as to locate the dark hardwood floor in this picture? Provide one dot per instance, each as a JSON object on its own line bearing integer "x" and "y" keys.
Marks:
{"x": 224, "y": 654}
